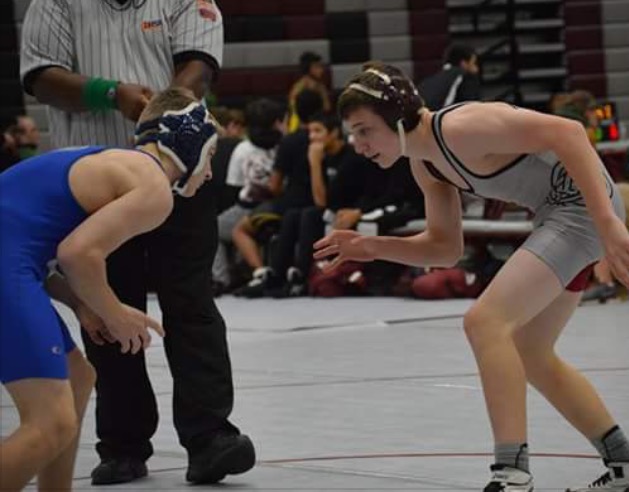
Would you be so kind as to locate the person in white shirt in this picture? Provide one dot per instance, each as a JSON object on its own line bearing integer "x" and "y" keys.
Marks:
{"x": 249, "y": 169}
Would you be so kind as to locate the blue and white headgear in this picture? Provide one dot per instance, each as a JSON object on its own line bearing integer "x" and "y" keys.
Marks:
{"x": 187, "y": 136}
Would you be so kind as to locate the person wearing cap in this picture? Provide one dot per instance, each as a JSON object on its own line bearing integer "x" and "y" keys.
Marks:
{"x": 73, "y": 207}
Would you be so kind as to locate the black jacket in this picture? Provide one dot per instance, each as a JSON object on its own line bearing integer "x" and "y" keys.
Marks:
{"x": 449, "y": 86}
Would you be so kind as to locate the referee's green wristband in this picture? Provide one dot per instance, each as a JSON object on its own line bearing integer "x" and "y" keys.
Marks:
{"x": 99, "y": 94}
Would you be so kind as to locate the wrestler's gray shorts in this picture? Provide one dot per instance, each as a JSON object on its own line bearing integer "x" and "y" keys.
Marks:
{"x": 564, "y": 237}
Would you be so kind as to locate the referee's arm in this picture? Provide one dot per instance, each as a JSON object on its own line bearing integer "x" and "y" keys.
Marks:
{"x": 58, "y": 87}
{"x": 197, "y": 44}
{"x": 195, "y": 74}
{"x": 47, "y": 53}
{"x": 47, "y": 63}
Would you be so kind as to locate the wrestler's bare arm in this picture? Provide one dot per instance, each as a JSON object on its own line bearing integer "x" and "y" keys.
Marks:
{"x": 441, "y": 244}
{"x": 82, "y": 254}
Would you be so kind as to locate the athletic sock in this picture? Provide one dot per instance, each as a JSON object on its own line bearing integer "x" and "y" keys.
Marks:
{"x": 513, "y": 455}
{"x": 613, "y": 446}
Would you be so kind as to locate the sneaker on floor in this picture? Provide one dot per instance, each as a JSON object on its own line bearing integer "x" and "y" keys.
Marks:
{"x": 295, "y": 285}
{"x": 601, "y": 293}
{"x": 616, "y": 479}
{"x": 118, "y": 470}
{"x": 263, "y": 281}
{"x": 507, "y": 479}
{"x": 226, "y": 454}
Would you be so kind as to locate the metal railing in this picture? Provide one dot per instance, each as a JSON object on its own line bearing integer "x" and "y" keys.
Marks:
{"x": 510, "y": 40}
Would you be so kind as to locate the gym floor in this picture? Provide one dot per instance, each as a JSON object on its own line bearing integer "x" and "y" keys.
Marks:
{"x": 373, "y": 394}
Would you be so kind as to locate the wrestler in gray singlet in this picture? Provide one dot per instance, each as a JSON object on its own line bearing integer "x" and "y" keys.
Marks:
{"x": 564, "y": 237}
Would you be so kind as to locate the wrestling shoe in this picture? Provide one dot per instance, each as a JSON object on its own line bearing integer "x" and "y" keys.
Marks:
{"x": 616, "y": 479}
{"x": 507, "y": 479}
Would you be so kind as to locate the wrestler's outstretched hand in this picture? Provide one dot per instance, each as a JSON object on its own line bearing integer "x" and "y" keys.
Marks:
{"x": 343, "y": 246}
{"x": 129, "y": 326}
{"x": 616, "y": 242}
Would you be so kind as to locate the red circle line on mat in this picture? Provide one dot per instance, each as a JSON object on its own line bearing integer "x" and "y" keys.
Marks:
{"x": 417, "y": 455}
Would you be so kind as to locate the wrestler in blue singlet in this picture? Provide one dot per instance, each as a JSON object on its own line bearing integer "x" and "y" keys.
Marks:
{"x": 37, "y": 211}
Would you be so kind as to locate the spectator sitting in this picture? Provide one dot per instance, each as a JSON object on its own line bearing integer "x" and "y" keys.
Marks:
{"x": 558, "y": 100}
{"x": 290, "y": 184}
{"x": 313, "y": 71}
{"x": 356, "y": 186}
{"x": 27, "y": 137}
{"x": 234, "y": 125}
{"x": 233, "y": 121}
{"x": 248, "y": 176}
{"x": 327, "y": 151}
{"x": 579, "y": 105}
{"x": 458, "y": 81}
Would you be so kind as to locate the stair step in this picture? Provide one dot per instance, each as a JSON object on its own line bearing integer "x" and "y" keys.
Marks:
{"x": 469, "y": 4}
{"x": 542, "y": 48}
{"x": 543, "y": 73}
{"x": 526, "y": 49}
{"x": 523, "y": 25}
{"x": 540, "y": 24}
{"x": 536, "y": 97}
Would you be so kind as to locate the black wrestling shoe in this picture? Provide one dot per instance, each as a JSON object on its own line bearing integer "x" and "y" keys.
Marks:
{"x": 118, "y": 470}
{"x": 261, "y": 285}
{"x": 295, "y": 285}
{"x": 226, "y": 454}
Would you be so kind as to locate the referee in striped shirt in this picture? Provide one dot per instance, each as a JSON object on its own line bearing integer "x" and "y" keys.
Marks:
{"x": 96, "y": 63}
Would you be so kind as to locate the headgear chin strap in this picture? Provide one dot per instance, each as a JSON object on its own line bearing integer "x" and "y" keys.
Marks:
{"x": 187, "y": 136}
{"x": 402, "y": 136}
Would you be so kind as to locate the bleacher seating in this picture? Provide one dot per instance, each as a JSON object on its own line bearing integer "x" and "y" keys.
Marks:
{"x": 267, "y": 37}
{"x": 264, "y": 39}
{"x": 495, "y": 224}
{"x": 539, "y": 47}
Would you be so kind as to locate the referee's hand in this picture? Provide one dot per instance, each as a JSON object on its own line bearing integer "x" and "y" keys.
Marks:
{"x": 131, "y": 99}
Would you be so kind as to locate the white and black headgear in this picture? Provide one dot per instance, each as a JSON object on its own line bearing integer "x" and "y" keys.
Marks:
{"x": 187, "y": 136}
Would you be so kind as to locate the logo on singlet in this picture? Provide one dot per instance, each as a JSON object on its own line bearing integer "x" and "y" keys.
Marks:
{"x": 564, "y": 190}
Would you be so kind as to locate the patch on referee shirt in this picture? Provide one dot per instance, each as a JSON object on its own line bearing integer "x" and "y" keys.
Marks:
{"x": 207, "y": 10}
{"x": 151, "y": 25}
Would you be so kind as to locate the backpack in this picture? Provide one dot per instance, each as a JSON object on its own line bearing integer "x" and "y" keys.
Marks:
{"x": 347, "y": 279}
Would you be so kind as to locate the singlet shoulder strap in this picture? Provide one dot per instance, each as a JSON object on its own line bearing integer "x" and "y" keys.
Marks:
{"x": 151, "y": 156}
{"x": 449, "y": 156}
{"x": 437, "y": 123}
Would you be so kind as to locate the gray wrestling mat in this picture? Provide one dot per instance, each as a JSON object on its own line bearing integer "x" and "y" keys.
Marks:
{"x": 363, "y": 400}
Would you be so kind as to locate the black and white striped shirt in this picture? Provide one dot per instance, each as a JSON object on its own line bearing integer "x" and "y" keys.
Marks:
{"x": 135, "y": 45}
